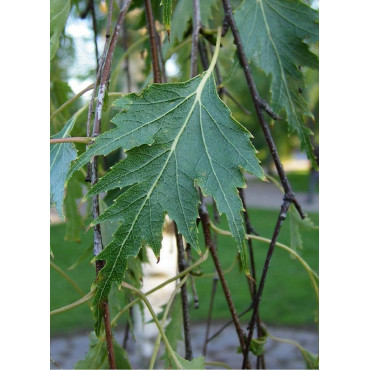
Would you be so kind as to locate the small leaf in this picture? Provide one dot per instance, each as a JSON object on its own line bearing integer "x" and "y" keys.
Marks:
{"x": 274, "y": 35}
{"x": 296, "y": 225}
{"x": 59, "y": 11}
{"x": 258, "y": 344}
{"x": 195, "y": 363}
{"x": 311, "y": 360}
{"x": 74, "y": 223}
{"x": 167, "y": 13}
{"x": 61, "y": 156}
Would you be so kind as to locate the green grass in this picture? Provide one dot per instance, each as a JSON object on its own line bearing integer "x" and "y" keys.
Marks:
{"x": 300, "y": 181}
{"x": 288, "y": 297}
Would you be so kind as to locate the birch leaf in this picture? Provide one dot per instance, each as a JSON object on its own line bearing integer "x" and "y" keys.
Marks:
{"x": 274, "y": 35}
{"x": 176, "y": 136}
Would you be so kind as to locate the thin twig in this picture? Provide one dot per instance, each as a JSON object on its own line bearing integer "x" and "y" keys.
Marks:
{"x": 184, "y": 295}
{"x": 153, "y": 44}
{"x": 160, "y": 286}
{"x": 228, "y": 93}
{"x": 252, "y": 282}
{"x": 219, "y": 331}
{"x": 55, "y": 363}
{"x": 70, "y": 101}
{"x": 154, "y": 316}
{"x": 195, "y": 37}
{"x": 79, "y": 302}
{"x": 204, "y": 217}
{"x": 161, "y": 58}
{"x": 282, "y": 217}
{"x": 66, "y": 277}
{"x": 210, "y": 311}
{"x": 164, "y": 319}
{"x": 126, "y": 62}
{"x": 83, "y": 140}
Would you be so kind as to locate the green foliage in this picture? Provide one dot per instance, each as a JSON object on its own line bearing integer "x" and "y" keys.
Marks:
{"x": 275, "y": 34}
{"x": 167, "y": 13}
{"x": 61, "y": 156}
{"x": 258, "y": 344}
{"x": 97, "y": 356}
{"x": 59, "y": 11}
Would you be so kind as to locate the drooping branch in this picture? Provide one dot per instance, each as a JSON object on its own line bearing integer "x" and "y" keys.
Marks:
{"x": 153, "y": 42}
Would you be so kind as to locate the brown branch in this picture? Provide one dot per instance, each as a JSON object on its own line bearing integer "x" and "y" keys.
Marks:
{"x": 209, "y": 317}
{"x": 153, "y": 44}
{"x": 84, "y": 140}
{"x": 257, "y": 299}
{"x": 184, "y": 295}
{"x": 204, "y": 217}
{"x": 258, "y": 104}
{"x": 195, "y": 37}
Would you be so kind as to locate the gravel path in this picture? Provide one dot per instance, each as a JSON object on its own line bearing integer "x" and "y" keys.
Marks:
{"x": 68, "y": 350}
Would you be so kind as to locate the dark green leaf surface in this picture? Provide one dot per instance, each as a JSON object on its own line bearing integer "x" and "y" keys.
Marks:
{"x": 59, "y": 11}
{"x": 61, "y": 156}
{"x": 273, "y": 34}
{"x": 180, "y": 135}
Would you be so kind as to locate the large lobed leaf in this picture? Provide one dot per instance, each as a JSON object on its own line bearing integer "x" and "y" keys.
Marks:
{"x": 176, "y": 136}
{"x": 273, "y": 34}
